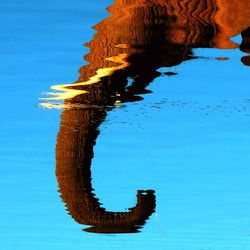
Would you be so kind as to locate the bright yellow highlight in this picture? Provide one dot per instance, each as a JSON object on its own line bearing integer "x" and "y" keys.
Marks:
{"x": 67, "y": 91}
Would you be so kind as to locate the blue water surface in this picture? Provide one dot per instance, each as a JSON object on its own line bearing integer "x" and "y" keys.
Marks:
{"x": 189, "y": 140}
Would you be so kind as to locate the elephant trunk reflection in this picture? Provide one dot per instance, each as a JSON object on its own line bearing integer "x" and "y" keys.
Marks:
{"x": 137, "y": 39}
{"x": 74, "y": 153}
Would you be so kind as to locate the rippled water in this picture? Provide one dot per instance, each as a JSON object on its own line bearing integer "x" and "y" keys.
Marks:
{"x": 158, "y": 121}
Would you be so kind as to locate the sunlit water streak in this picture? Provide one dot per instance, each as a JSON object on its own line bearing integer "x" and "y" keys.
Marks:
{"x": 67, "y": 91}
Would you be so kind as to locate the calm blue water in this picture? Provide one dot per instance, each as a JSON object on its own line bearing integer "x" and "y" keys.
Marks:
{"x": 189, "y": 141}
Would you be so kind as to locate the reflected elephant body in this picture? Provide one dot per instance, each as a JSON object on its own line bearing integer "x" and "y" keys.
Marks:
{"x": 137, "y": 39}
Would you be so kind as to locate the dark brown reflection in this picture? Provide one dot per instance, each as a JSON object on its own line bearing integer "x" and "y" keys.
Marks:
{"x": 137, "y": 39}
{"x": 245, "y": 46}
{"x": 74, "y": 152}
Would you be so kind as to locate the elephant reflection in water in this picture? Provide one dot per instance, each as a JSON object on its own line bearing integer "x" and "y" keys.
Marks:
{"x": 137, "y": 39}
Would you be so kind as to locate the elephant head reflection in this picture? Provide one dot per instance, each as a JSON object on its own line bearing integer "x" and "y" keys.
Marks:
{"x": 137, "y": 39}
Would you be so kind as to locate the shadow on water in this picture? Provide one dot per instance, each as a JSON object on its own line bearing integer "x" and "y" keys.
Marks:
{"x": 127, "y": 50}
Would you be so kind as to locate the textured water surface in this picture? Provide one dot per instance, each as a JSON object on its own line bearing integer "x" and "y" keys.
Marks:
{"x": 156, "y": 127}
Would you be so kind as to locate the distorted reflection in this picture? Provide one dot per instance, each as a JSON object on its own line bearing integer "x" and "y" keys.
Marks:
{"x": 245, "y": 46}
{"x": 137, "y": 39}
{"x": 74, "y": 152}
